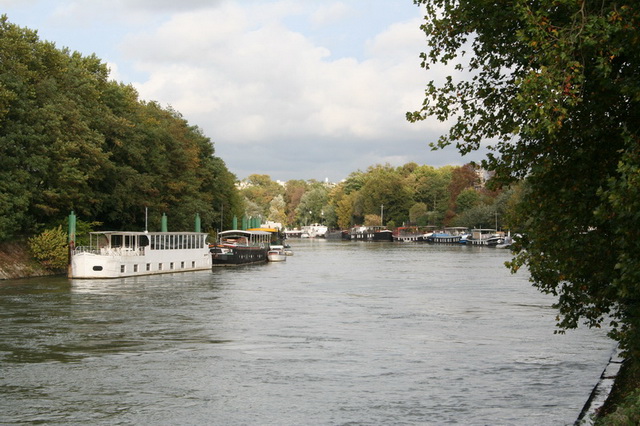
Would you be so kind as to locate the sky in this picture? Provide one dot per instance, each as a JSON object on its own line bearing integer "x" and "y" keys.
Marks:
{"x": 294, "y": 89}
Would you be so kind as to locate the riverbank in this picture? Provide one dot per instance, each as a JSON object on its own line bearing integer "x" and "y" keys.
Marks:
{"x": 16, "y": 262}
{"x": 600, "y": 401}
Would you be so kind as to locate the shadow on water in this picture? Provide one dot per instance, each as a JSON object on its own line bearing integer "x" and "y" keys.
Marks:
{"x": 57, "y": 319}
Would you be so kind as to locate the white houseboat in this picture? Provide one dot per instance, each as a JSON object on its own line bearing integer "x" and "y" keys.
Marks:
{"x": 115, "y": 254}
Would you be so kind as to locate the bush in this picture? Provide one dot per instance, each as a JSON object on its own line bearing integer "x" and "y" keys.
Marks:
{"x": 50, "y": 248}
{"x": 627, "y": 413}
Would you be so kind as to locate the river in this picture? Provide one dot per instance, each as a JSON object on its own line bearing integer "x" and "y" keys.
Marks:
{"x": 342, "y": 333}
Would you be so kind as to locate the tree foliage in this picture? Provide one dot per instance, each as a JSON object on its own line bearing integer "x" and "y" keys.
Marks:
{"x": 70, "y": 138}
{"x": 554, "y": 85}
{"x": 50, "y": 248}
{"x": 410, "y": 194}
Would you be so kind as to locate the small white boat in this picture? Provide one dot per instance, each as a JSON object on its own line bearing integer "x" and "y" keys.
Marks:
{"x": 276, "y": 253}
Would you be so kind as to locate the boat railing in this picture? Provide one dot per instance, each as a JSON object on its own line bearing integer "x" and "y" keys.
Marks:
{"x": 110, "y": 251}
{"x": 122, "y": 251}
{"x": 86, "y": 249}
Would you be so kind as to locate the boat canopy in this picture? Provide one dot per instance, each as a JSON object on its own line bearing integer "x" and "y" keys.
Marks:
{"x": 153, "y": 240}
{"x": 251, "y": 237}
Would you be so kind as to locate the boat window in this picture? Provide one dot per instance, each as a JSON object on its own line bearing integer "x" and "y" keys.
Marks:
{"x": 116, "y": 241}
{"x": 153, "y": 242}
{"x": 181, "y": 265}
{"x": 148, "y": 266}
{"x": 143, "y": 241}
{"x": 122, "y": 268}
{"x": 135, "y": 268}
{"x": 171, "y": 265}
{"x": 159, "y": 266}
{"x": 97, "y": 268}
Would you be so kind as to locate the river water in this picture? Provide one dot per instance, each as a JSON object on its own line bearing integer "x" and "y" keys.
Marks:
{"x": 341, "y": 333}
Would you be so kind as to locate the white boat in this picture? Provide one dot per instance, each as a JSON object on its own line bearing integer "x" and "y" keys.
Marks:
{"x": 276, "y": 253}
{"x": 115, "y": 254}
{"x": 485, "y": 237}
{"x": 314, "y": 230}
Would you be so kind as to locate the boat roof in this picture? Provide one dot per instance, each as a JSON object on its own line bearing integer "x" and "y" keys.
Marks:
{"x": 243, "y": 232}
{"x": 145, "y": 233}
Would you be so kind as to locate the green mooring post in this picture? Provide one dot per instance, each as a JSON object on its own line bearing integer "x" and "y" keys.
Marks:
{"x": 235, "y": 222}
{"x": 198, "y": 222}
{"x": 244, "y": 223}
{"x": 72, "y": 242}
{"x": 163, "y": 226}
{"x": 72, "y": 228}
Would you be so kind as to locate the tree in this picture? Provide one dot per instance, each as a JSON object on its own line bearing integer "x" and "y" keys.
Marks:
{"x": 310, "y": 209}
{"x": 277, "y": 209}
{"x": 554, "y": 85}
{"x": 344, "y": 210}
{"x": 294, "y": 190}
{"x": 432, "y": 188}
{"x": 467, "y": 199}
{"x": 50, "y": 249}
{"x": 418, "y": 214}
{"x": 72, "y": 139}
{"x": 385, "y": 192}
{"x": 260, "y": 190}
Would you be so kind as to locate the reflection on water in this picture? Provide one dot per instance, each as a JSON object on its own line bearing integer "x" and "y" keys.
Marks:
{"x": 364, "y": 333}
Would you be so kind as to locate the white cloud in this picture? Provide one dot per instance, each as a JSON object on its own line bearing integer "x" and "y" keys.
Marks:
{"x": 251, "y": 80}
{"x": 329, "y": 13}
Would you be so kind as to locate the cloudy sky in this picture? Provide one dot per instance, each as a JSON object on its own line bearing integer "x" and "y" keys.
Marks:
{"x": 296, "y": 89}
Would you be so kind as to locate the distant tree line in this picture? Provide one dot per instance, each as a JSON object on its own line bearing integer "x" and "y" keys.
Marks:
{"x": 409, "y": 195}
{"x": 70, "y": 138}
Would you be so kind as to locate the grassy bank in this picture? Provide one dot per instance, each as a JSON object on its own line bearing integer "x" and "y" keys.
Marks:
{"x": 623, "y": 405}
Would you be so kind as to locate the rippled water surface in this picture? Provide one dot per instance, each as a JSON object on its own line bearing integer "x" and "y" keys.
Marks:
{"x": 340, "y": 333}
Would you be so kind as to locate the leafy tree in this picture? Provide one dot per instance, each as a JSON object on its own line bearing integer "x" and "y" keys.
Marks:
{"x": 418, "y": 214}
{"x": 344, "y": 211}
{"x": 478, "y": 216}
{"x": 373, "y": 220}
{"x": 554, "y": 84}
{"x": 432, "y": 188}
{"x": 467, "y": 199}
{"x": 51, "y": 249}
{"x": 384, "y": 186}
{"x": 294, "y": 190}
{"x": 72, "y": 139}
{"x": 277, "y": 209}
{"x": 260, "y": 189}
{"x": 312, "y": 203}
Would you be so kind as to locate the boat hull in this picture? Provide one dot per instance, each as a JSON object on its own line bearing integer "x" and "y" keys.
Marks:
{"x": 87, "y": 265}
{"x": 234, "y": 256}
{"x": 276, "y": 257}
